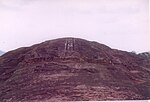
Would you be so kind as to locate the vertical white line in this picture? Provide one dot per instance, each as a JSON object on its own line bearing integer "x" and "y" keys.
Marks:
{"x": 66, "y": 45}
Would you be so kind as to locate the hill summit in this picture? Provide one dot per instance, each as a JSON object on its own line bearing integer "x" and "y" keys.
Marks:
{"x": 73, "y": 69}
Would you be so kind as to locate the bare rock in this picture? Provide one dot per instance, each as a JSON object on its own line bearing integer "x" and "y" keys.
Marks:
{"x": 73, "y": 69}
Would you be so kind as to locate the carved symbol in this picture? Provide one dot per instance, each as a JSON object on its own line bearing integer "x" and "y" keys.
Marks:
{"x": 69, "y": 44}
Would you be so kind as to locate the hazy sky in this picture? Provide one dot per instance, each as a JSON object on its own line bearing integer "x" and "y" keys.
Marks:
{"x": 120, "y": 24}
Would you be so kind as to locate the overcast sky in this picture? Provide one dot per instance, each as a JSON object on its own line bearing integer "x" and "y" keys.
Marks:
{"x": 120, "y": 24}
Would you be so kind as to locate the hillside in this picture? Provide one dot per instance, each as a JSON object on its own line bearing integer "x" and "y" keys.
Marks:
{"x": 73, "y": 69}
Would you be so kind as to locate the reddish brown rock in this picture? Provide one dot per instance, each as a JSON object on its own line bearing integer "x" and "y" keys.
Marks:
{"x": 72, "y": 69}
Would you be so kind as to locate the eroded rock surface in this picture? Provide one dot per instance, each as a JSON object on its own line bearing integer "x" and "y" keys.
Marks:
{"x": 73, "y": 69}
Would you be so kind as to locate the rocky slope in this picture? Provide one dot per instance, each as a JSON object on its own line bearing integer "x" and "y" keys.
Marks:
{"x": 73, "y": 69}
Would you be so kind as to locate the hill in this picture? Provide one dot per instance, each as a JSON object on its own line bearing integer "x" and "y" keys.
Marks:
{"x": 73, "y": 69}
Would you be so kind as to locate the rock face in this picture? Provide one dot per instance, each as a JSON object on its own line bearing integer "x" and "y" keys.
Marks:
{"x": 73, "y": 69}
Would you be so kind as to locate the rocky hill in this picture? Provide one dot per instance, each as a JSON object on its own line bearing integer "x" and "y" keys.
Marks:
{"x": 73, "y": 69}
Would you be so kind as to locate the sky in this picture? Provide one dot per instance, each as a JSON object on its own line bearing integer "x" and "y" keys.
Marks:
{"x": 119, "y": 24}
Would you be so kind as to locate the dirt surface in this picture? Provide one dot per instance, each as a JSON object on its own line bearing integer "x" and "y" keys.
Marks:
{"x": 73, "y": 69}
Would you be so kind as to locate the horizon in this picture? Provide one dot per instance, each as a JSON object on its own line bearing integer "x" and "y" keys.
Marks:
{"x": 122, "y": 25}
{"x": 74, "y": 38}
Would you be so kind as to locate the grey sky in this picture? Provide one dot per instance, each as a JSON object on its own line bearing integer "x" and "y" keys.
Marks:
{"x": 120, "y": 24}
